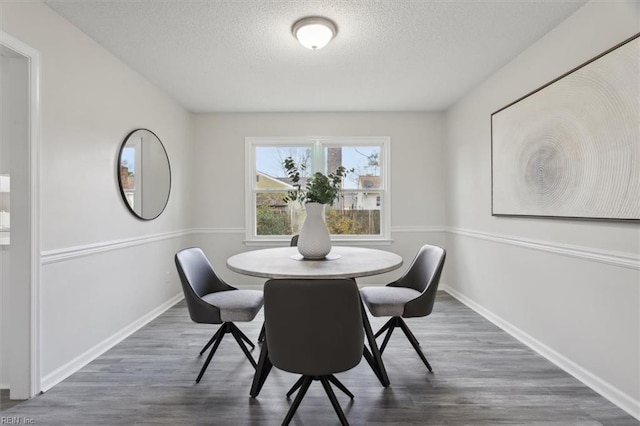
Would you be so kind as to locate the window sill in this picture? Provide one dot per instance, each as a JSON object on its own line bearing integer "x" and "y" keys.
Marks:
{"x": 337, "y": 242}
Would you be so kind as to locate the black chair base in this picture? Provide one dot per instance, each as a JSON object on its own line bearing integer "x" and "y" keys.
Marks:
{"x": 226, "y": 327}
{"x": 303, "y": 384}
{"x": 398, "y": 322}
{"x": 337, "y": 383}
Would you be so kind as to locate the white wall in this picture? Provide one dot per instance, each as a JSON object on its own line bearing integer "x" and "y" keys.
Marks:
{"x": 570, "y": 288}
{"x": 4, "y": 306}
{"x": 14, "y": 127}
{"x": 14, "y": 160}
{"x": 103, "y": 270}
{"x": 219, "y": 176}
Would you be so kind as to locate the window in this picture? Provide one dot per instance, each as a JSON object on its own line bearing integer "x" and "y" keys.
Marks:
{"x": 361, "y": 211}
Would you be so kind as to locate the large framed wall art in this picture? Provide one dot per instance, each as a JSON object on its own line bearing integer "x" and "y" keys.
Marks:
{"x": 572, "y": 147}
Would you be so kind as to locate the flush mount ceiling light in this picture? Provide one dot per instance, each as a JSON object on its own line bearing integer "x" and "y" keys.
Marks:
{"x": 314, "y": 32}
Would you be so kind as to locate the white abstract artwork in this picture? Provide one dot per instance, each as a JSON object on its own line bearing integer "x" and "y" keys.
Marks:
{"x": 572, "y": 148}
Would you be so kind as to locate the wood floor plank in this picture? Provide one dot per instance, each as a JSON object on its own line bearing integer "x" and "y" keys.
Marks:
{"x": 482, "y": 376}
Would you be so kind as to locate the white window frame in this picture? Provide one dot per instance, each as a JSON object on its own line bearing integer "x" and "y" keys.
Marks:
{"x": 317, "y": 144}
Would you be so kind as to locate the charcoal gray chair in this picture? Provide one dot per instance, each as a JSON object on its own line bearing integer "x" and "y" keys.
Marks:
{"x": 293, "y": 243}
{"x": 212, "y": 301}
{"x": 314, "y": 328}
{"x": 413, "y": 295}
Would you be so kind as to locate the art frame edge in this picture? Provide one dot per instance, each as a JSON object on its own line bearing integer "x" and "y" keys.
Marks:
{"x": 533, "y": 216}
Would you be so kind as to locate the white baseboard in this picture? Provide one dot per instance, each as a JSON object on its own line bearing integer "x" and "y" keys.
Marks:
{"x": 52, "y": 379}
{"x": 613, "y": 394}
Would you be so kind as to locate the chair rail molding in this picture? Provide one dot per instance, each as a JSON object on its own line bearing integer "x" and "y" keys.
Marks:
{"x": 624, "y": 260}
{"x": 417, "y": 229}
{"x": 350, "y": 241}
{"x": 69, "y": 253}
{"x": 219, "y": 230}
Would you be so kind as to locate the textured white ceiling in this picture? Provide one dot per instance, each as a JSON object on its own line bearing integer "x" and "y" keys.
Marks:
{"x": 389, "y": 55}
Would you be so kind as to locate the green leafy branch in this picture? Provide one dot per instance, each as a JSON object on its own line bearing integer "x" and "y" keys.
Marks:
{"x": 320, "y": 188}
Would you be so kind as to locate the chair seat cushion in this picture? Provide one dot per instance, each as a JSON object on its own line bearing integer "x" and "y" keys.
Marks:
{"x": 387, "y": 301}
{"x": 236, "y": 305}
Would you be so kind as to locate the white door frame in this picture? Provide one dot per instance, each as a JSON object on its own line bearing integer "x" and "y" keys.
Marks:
{"x": 30, "y": 383}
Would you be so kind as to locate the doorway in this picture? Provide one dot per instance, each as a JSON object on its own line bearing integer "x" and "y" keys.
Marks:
{"x": 19, "y": 214}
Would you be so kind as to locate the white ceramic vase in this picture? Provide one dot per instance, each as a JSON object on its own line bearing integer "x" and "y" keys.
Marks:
{"x": 314, "y": 241}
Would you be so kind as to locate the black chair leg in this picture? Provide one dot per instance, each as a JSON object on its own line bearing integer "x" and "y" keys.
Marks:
{"x": 237, "y": 334}
{"x": 295, "y": 386}
{"x": 242, "y": 335}
{"x": 414, "y": 343}
{"x": 262, "y": 372}
{"x": 384, "y": 327}
{"x": 215, "y": 336}
{"x": 261, "y": 336}
{"x": 334, "y": 400}
{"x": 373, "y": 358}
{"x": 386, "y": 339}
{"x": 296, "y": 402}
{"x": 303, "y": 384}
{"x": 221, "y": 332}
{"x": 368, "y": 356}
{"x": 395, "y": 322}
{"x": 337, "y": 383}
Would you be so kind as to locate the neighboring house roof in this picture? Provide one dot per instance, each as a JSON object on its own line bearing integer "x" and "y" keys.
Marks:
{"x": 265, "y": 181}
{"x": 368, "y": 182}
{"x": 288, "y": 181}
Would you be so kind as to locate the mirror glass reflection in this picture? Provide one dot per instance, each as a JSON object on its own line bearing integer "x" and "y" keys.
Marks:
{"x": 144, "y": 174}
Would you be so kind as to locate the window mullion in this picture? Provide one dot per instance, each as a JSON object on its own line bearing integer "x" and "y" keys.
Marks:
{"x": 317, "y": 157}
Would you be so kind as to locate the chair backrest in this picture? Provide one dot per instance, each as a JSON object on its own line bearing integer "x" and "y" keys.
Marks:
{"x": 423, "y": 275}
{"x": 198, "y": 278}
{"x": 313, "y": 327}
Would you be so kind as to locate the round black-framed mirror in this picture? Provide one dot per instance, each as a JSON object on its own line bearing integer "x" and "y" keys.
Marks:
{"x": 144, "y": 174}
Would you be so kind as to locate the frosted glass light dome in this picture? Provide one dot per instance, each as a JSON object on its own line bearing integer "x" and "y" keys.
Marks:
{"x": 314, "y": 33}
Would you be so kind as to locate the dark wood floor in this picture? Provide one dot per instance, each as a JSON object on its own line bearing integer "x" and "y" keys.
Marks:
{"x": 482, "y": 376}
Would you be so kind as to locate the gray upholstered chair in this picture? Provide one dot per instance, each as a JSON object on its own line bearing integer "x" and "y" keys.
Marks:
{"x": 413, "y": 295}
{"x": 314, "y": 328}
{"x": 293, "y": 243}
{"x": 212, "y": 301}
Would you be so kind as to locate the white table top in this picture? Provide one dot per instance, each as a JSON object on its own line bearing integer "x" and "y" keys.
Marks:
{"x": 278, "y": 263}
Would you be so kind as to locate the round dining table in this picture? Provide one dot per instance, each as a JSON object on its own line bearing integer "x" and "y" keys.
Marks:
{"x": 341, "y": 262}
